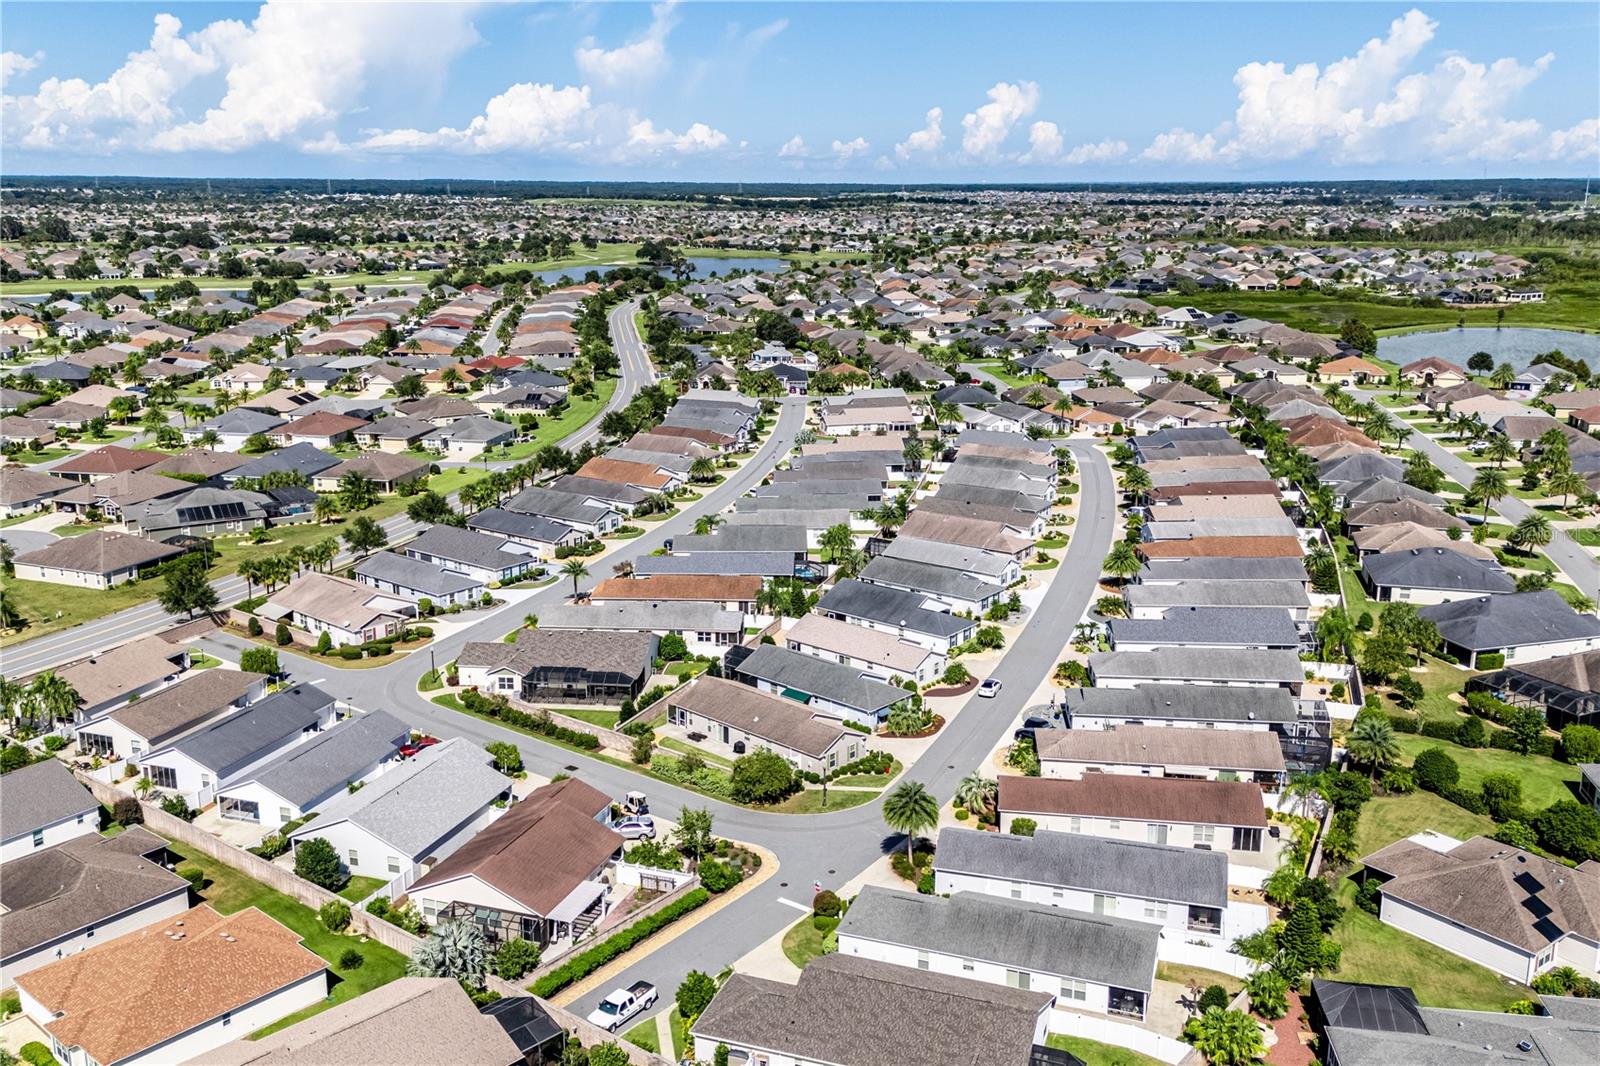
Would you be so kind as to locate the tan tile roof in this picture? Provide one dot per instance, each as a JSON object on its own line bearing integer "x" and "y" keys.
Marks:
{"x": 1152, "y": 745}
{"x": 871, "y": 645}
{"x": 1223, "y": 548}
{"x": 101, "y": 678}
{"x": 148, "y": 986}
{"x": 335, "y": 600}
{"x": 108, "y": 460}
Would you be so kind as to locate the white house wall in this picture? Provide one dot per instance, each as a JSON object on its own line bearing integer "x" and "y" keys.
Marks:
{"x": 49, "y": 836}
{"x": 1459, "y": 940}
{"x": 169, "y": 906}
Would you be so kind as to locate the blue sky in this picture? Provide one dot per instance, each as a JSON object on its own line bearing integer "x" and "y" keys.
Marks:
{"x": 820, "y": 91}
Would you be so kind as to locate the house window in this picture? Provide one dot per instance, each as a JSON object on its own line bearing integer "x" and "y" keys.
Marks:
{"x": 1019, "y": 979}
{"x": 353, "y": 860}
{"x": 227, "y": 1017}
{"x": 922, "y": 960}
{"x": 966, "y": 966}
{"x": 38, "y": 838}
{"x": 1016, "y": 891}
{"x": 1205, "y": 836}
{"x": 1156, "y": 912}
{"x": 88, "y": 932}
{"x": 1075, "y": 991}
{"x": 1114, "y": 825}
{"x": 394, "y": 864}
{"x": 80, "y": 819}
{"x": 1075, "y": 825}
{"x": 1246, "y": 839}
{"x": 284, "y": 815}
{"x": 1105, "y": 904}
{"x": 1155, "y": 833}
{"x": 162, "y": 776}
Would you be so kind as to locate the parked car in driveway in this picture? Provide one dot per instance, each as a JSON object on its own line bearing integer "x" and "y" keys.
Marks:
{"x": 622, "y": 1004}
{"x": 1030, "y": 724}
{"x": 642, "y": 827}
{"x": 989, "y": 689}
{"x": 417, "y": 745}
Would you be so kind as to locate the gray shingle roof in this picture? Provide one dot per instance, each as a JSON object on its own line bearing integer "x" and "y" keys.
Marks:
{"x": 415, "y": 574}
{"x": 721, "y": 564}
{"x": 465, "y": 546}
{"x": 751, "y": 537}
{"x": 304, "y": 458}
{"x": 413, "y": 806}
{"x": 1010, "y": 933}
{"x": 1200, "y": 703}
{"x": 40, "y": 795}
{"x": 835, "y": 682}
{"x": 1220, "y": 593}
{"x": 324, "y": 763}
{"x": 184, "y": 705}
{"x": 1202, "y": 568}
{"x": 957, "y": 557}
{"x": 846, "y": 1009}
{"x": 235, "y": 740}
{"x": 1200, "y": 664}
{"x": 528, "y": 526}
{"x": 925, "y": 577}
{"x": 771, "y": 718}
{"x": 561, "y": 506}
{"x": 644, "y": 616}
{"x": 1091, "y": 864}
{"x": 1242, "y": 626}
{"x": 622, "y": 654}
{"x": 1488, "y": 623}
{"x": 1436, "y": 568}
{"x": 858, "y": 599}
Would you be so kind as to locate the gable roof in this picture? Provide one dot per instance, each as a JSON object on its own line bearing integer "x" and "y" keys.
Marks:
{"x": 595, "y": 651}
{"x": 1150, "y": 745}
{"x": 835, "y": 682}
{"x": 1145, "y": 799}
{"x": 183, "y": 705}
{"x": 771, "y": 718}
{"x": 1436, "y": 568}
{"x": 332, "y": 759}
{"x": 1487, "y": 623}
{"x": 40, "y": 795}
{"x": 101, "y": 552}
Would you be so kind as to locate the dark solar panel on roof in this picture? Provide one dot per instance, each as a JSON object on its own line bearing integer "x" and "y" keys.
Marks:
{"x": 1548, "y": 929}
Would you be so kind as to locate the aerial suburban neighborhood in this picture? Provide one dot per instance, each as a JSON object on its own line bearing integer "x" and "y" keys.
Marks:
{"x": 662, "y": 598}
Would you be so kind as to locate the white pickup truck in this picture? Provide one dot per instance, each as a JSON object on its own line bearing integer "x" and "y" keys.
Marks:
{"x": 622, "y": 1004}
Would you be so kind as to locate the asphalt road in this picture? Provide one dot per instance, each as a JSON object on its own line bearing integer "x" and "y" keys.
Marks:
{"x": 830, "y": 848}
{"x": 1576, "y": 562}
{"x": 98, "y": 634}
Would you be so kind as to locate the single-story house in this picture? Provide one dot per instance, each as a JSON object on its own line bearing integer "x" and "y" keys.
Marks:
{"x": 133, "y": 729}
{"x": 422, "y": 810}
{"x": 137, "y": 668}
{"x": 1230, "y": 667}
{"x": 1090, "y": 963}
{"x": 561, "y": 665}
{"x": 414, "y": 580}
{"x": 351, "y": 612}
{"x": 99, "y": 559}
{"x": 706, "y": 629}
{"x": 880, "y": 655}
{"x": 731, "y": 719}
{"x": 543, "y": 535}
{"x": 385, "y": 470}
{"x": 464, "y": 551}
{"x": 1432, "y": 575}
{"x": 844, "y": 692}
{"x": 896, "y": 612}
{"x": 594, "y": 517}
{"x": 1504, "y": 908}
{"x": 1522, "y": 626}
{"x": 24, "y": 491}
{"x": 87, "y": 891}
{"x": 534, "y": 874}
{"x": 43, "y": 805}
{"x": 1158, "y": 752}
{"x": 231, "y": 974}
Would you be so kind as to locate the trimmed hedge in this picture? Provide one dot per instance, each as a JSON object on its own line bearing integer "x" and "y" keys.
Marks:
{"x": 1491, "y": 660}
{"x": 587, "y": 962}
{"x": 541, "y": 724}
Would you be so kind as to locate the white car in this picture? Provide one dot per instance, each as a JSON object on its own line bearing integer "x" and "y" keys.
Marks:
{"x": 989, "y": 689}
{"x": 637, "y": 827}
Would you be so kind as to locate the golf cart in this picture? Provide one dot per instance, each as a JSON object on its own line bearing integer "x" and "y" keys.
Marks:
{"x": 634, "y": 803}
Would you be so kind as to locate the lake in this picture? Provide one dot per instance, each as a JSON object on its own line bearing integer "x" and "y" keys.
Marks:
{"x": 1515, "y": 345}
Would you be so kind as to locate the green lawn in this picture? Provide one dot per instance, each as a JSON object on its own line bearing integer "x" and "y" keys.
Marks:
{"x": 1544, "y": 780}
{"x": 997, "y": 369}
{"x": 646, "y": 1036}
{"x": 1374, "y": 953}
{"x": 1182, "y": 974}
{"x": 360, "y": 888}
{"x": 809, "y": 801}
{"x": 1386, "y": 819}
{"x": 44, "y": 455}
{"x": 683, "y": 748}
{"x": 803, "y": 941}
{"x": 49, "y": 607}
{"x": 579, "y": 413}
{"x": 228, "y": 891}
{"x": 199, "y": 660}
{"x": 1567, "y": 305}
{"x": 593, "y": 715}
{"x": 687, "y": 669}
{"x": 1094, "y": 1053}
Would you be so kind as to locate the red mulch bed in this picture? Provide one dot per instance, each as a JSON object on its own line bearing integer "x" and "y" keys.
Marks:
{"x": 938, "y": 724}
{"x": 954, "y": 690}
{"x": 1289, "y": 1051}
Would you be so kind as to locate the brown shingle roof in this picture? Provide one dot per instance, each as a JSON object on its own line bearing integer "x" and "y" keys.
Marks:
{"x": 101, "y": 678}
{"x": 1150, "y": 745}
{"x": 710, "y": 587}
{"x": 1151, "y": 799}
{"x": 99, "y": 552}
{"x": 540, "y": 850}
{"x": 783, "y": 722}
{"x": 1223, "y": 548}
{"x": 187, "y": 971}
{"x": 320, "y": 424}
{"x": 108, "y": 460}
{"x": 623, "y": 472}
{"x": 186, "y": 704}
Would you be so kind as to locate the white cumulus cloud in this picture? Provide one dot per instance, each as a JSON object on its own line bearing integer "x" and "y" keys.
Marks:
{"x": 849, "y": 149}
{"x": 526, "y": 117}
{"x": 699, "y": 137}
{"x": 1107, "y": 151}
{"x": 929, "y": 139}
{"x": 985, "y": 130}
{"x": 640, "y": 60}
{"x": 794, "y": 147}
{"x": 1181, "y": 146}
{"x": 14, "y": 63}
{"x": 1044, "y": 143}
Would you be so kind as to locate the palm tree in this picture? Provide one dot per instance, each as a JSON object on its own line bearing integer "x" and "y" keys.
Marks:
{"x": 1489, "y": 485}
{"x": 1371, "y": 743}
{"x": 1123, "y": 562}
{"x": 1135, "y": 480}
{"x": 706, "y": 523}
{"x": 323, "y": 552}
{"x": 1532, "y": 532}
{"x": 250, "y": 570}
{"x": 703, "y": 469}
{"x": 913, "y": 453}
{"x": 325, "y": 510}
{"x": 910, "y": 809}
{"x": 1335, "y": 632}
{"x": 1503, "y": 376}
{"x": 1500, "y": 448}
{"x": 836, "y": 540}
{"x": 976, "y": 792}
{"x": 1227, "y": 1037}
{"x": 55, "y": 695}
{"x": 1568, "y": 483}
{"x": 576, "y": 571}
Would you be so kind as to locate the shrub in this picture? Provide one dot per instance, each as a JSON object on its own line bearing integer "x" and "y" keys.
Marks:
{"x": 1440, "y": 729}
{"x": 1517, "y": 834}
{"x": 1435, "y": 770}
{"x": 54, "y": 743}
{"x": 1569, "y": 828}
{"x": 197, "y": 878}
{"x": 126, "y": 811}
{"x": 1471, "y": 733}
{"x": 1024, "y": 827}
{"x": 540, "y": 723}
{"x": 1347, "y": 790}
{"x": 282, "y": 635}
{"x": 335, "y": 915}
{"x": 655, "y": 854}
{"x": 178, "y": 807}
{"x": 1580, "y": 744}
{"x": 1399, "y": 781}
{"x": 826, "y": 904}
{"x": 695, "y": 994}
{"x": 1404, "y": 723}
{"x": 644, "y": 745}
{"x": 261, "y": 661}
{"x": 253, "y": 627}
{"x": 317, "y": 862}
{"x": 962, "y": 814}
{"x": 1502, "y": 795}
{"x": 349, "y": 652}
{"x": 1493, "y": 660}
{"x": 351, "y": 959}
{"x": 1214, "y": 996}
{"x": 507, "y": 757}
{"x": 762, "y": 777}
{"x": 1408, "y": 690}
{"x": 955, "y": 674}
{"x": 36, "y": 1054}
{"x": 672, "y": 648}
{"x": 584, "y": 963}
{"x": 324, "y": 643}
{"x": 272, "y": 845}
{"x": 406, "y": 916}
{"x": 719, "y": 876}
{"x": 515, "y": 958}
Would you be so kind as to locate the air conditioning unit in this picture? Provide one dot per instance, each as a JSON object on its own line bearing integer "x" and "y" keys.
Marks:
{"x": 738, "y": 747}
